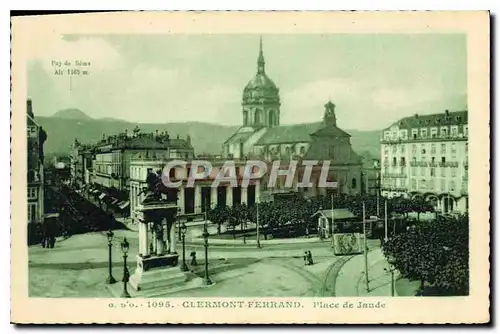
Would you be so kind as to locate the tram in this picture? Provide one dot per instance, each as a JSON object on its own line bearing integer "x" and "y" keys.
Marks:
{"x": 347, "y": 237}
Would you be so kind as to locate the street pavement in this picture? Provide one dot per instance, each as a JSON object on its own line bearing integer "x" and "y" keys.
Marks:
{"x": 351, "y": 280}
{"x": 78, "y": 267}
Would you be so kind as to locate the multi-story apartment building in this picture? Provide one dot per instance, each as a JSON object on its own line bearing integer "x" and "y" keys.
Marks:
{"x": 193, "y": 200}
{"x": 427, "y": 155}
{"x": 110, "y": 165}
{"x": 36, "y": 138}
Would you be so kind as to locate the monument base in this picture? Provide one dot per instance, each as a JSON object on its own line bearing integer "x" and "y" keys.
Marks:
{"x": 157, "y": 272}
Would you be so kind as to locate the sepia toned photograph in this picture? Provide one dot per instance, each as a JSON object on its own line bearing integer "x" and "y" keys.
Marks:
{"x": 257, "y": 171}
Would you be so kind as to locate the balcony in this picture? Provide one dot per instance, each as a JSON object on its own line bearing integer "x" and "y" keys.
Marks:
{"x": 449, "y": 164}
{"x": 394, "y": 175}
{"x": 393, "y": 188}
{"x": 419, "y": 163}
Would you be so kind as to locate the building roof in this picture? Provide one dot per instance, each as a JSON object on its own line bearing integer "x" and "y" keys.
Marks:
{"x": 440, "y": 119}
{"x": 289, "y": 134}
{"x": 338, "y": 214}
{"x": 331, "y": 131}
{"x": 239, "y": 136}
{"x": 142, "y": 141}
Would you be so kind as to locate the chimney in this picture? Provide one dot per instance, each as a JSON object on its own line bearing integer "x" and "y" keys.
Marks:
{"x": 447, "y": 112}
{"x": 29, "y": 108}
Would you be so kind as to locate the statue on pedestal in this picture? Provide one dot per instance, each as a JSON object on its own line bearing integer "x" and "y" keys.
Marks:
{"x": 154, "y": 189}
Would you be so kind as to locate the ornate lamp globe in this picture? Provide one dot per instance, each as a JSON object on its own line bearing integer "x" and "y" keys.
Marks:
{"x": 125, "y": 245}
{"x": 110, "y": 235}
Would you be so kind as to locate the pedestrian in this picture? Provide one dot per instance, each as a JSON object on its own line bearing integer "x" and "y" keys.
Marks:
{"x": 309, "y": 258}
{"x": 307, "y": 232}
{"x": 193, "y": 259}
{"x": 52, "y": 241}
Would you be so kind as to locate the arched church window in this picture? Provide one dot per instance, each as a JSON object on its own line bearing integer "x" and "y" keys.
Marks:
{"x": 271, "y": 118}
{"x": 245, "y": 117}
{"x": 257, "y": 118}
{"x": 353, "y": 183}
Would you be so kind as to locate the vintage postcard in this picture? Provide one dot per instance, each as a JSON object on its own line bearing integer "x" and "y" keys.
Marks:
{"x": 250, "y": 168}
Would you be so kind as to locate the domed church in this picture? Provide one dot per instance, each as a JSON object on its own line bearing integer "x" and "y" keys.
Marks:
{"x": 262, "y": 137}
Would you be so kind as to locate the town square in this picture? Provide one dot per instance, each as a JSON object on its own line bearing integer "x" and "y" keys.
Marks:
{"x": 358, "y": 186}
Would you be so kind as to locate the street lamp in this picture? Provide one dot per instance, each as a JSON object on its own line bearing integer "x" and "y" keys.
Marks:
{"x": 179, "y": 224}
{"x": 110, "y": 279}
{"x": 125, "y": 245}
{"x": 206, "y": 280}
{"x": 392, "y": 261}
{"x": 183, "y": 232}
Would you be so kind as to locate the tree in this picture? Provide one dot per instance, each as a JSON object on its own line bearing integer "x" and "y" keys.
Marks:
{"x": 219, "y": 216}
{"x": 435, "y": 252}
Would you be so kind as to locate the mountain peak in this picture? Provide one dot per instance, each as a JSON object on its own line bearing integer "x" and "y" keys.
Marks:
{"x": 72, "y": 113}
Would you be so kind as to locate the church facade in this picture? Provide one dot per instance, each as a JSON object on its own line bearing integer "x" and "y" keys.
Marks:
{"x": 262, "y": 137}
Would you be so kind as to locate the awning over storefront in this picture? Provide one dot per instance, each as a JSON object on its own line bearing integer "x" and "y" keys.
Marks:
{"x": 123, "y": 205}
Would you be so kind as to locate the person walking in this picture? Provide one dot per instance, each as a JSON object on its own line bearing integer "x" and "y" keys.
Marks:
{"x": 309, "y": 258}
{"x": 193, "y": 259}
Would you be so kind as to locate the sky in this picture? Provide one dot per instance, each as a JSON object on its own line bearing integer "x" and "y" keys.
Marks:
{"x": 373, "y": 79}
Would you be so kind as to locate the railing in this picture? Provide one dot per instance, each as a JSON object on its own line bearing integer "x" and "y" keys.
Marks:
{"x": 393, "y": 188}
{"x": 418, "y": 163}
{"x": 420, "y": 138}
{"x": 449, "y": 164}
{"x": 394, "y": 175}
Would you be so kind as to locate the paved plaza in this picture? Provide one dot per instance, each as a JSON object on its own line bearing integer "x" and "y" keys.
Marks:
{"x": 78, "y": 267}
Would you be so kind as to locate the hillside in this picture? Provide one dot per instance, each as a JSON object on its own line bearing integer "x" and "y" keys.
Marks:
{"x": 72, "y": 113}
{"x": 205, "y": 137}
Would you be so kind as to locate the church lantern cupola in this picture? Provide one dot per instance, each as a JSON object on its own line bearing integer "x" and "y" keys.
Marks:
{"x": 329, "y": 117}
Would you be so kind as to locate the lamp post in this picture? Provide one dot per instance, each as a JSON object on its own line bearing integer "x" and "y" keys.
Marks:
{"x": 206, "y": 280}
{"x": 125, "y": 245}
{"x": 391, "y": 260}
{"x": 110, "y": 279}
{"x": 183, "y": 233}
{"x": 258, "y": 223}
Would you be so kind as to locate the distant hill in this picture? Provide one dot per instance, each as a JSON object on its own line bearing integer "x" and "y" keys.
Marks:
{"x": 68, "y": 124}
{"x": 72, "y": 113}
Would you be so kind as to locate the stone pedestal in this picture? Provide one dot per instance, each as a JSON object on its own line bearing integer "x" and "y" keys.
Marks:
{"x": 158, "y": 269}
{"x": 157, "y": 272}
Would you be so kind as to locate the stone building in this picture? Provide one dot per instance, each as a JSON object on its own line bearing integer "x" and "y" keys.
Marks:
{"x": 427, "y": 155}
{"x": 263, "y": 137}
{"x": 193, "y": 201}
{"x": 36, "y": 138}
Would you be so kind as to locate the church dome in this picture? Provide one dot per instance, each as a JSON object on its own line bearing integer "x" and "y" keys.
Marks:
{"x": 261, "y": 81}
{"x": 261, "y": 88}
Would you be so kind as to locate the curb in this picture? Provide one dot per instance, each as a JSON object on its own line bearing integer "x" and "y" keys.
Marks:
{"x": 222, "y": 242}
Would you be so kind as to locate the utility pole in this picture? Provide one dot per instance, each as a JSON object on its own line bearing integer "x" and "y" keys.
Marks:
{"x": 333, "y": 223}
{"x": 386, "y": 237}
{"x": 365, "y": 246}
{"x": 258, "y": 234}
